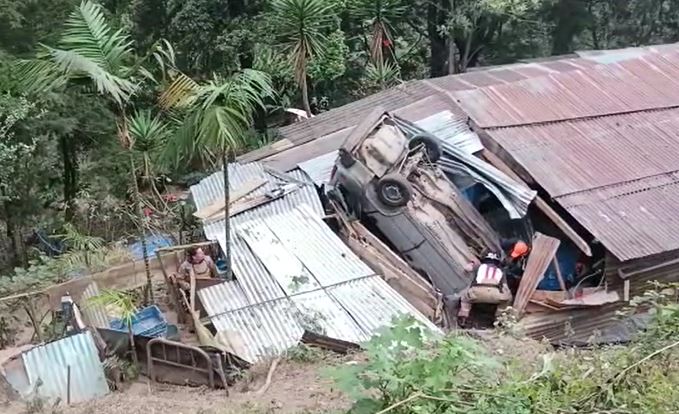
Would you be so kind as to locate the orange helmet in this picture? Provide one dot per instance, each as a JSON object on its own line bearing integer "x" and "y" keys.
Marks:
{"x": 520, "y": 249}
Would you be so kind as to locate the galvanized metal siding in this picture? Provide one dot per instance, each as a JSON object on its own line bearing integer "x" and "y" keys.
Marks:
{"x": 49, "y": 364}
{"x": 374, "y": 304}
{"x": 343, "y": 299}
{"x": 319, "y": 169}
{"x": 94, "y": 313}
{"x": 253, "y": 279}
{"x": 453, "y": 130}
{"x": 321, "y": 251}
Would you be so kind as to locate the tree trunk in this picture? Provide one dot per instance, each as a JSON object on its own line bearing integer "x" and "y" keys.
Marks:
{"x": 436, "y": 17}
{"x": 570, "y": 18}
{"x": 452, "y": 64}
{"x": 305, "y": 94}
{"x": 133, "y": 345}
{"x": 142, "y": 224}
{"x": 70, "y": 175}
{"x": 227, "y": 212}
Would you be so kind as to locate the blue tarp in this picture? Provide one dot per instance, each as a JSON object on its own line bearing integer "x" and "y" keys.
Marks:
{"x": 567, "y": 256}
{"x": 153, "y": 243}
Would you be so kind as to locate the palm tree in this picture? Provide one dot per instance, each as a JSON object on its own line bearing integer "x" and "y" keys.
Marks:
{"x": 301, "y": 24}
{"x": 380, "y": 15}
{"x": 217, "y": 117}
{"x": 93, "y": 56}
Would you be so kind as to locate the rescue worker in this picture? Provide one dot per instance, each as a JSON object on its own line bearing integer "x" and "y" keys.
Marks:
{"x": 516, "y": 252}
{"x": 489, "y": 286}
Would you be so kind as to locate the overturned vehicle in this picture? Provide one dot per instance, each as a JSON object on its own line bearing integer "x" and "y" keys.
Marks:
{"x": 387, "y": 175}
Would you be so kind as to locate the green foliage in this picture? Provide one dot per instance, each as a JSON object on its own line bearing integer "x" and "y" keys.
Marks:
{"x": 219, "y": 114}
{"x": 122, "y": 302}
{"x": 332, "y": 63}
{"x": 406, "y": 373}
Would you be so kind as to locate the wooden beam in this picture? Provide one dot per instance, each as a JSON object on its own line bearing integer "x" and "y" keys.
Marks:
{"x": 562, "y": 283}
{"x": 541, "y": 204}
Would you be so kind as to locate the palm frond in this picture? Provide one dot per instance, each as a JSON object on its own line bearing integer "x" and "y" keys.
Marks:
{"x": 88, "y": 34}
{"x": 220, "y": 115}
{"x": 180, "y": 93}
{"x": 75, "y": 65}
{"x": 38, "y": 76}
{"x": 302, "y": 25}
{"x": 149, "y": 133}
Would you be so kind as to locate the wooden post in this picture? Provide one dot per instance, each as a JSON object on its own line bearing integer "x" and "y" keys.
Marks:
{"x": 559, "y": 276}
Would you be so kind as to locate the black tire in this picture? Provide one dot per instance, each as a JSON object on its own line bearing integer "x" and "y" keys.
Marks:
{"x": 431, "y": 145}
{"x": 346, "y": 159}
{"x": 393, "y": 190}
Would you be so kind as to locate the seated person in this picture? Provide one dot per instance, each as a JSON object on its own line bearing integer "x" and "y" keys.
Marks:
{"x": 197, "y": 263}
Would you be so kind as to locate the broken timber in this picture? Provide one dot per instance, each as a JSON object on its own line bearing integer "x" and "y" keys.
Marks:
{"x": 542, "y": 253}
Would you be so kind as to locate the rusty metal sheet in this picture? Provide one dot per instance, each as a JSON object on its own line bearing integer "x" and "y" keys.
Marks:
{"x": 649, "y": 82}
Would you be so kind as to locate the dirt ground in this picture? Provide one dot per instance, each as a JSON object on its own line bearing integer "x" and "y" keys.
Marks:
{"x": 296, "y": 388}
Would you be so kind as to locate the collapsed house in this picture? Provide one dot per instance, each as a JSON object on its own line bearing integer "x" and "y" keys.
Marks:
{"x": 591, "y": 134}
{"x": 292, "y": 273}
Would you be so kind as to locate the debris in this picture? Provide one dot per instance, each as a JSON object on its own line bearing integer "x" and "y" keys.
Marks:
{"x": 328, "y": 343}
{"x": 218, "y": 205}
{"x": 542, "y": 253}
{"x": 269, "y": 376}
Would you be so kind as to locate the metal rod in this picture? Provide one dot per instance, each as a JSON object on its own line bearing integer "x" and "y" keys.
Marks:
{"x": 68, "y": 385}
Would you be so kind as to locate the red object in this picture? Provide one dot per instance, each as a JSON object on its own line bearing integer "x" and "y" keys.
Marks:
{"x": 386, "y": 42}
{"x": 147, "y": 212}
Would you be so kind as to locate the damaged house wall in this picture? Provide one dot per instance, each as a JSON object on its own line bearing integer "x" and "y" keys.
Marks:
{"x": 602, "y": 144}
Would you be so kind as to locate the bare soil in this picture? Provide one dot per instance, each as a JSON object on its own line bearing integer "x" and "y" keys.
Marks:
{"x": 296, "y": 388}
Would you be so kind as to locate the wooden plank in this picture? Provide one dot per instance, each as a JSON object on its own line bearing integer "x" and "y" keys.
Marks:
{"x": 541, "y": 204}
{"x": 559, "y": 276}
{"x": 218, "y": 205}
{"x": 541, "y": 255}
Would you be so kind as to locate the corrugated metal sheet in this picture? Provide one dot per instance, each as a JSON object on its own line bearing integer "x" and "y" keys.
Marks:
{"x": 374, "y": 304}
{"x": 603, "y": 155}
{"x": 414, "y": 97}
{"x": 267, "y": 329}
{"x": 258, "y": 285}
{"x": 649, "y": 82}
{"x": 223, "y": 297}
{"x": 95, "y": 313}
{"x": 453, "y": 130}
{"x": 351, "y": 311}
{"x": 320, "y": 168}
{"x": 47, "y": 369}
{"x": 340, "y": 296}
{"x": 318, "y": 248}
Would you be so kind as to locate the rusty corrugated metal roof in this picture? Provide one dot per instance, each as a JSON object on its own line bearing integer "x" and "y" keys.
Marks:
{"x": 413, "y": 100}
{"x": 603, "y": 143}
{"x": 650, "y": 82}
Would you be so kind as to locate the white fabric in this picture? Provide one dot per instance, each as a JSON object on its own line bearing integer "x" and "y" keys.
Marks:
{"x": 488, "y": 275}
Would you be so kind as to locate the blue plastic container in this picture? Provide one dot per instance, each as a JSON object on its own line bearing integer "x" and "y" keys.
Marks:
{"x": 149, "y": 322}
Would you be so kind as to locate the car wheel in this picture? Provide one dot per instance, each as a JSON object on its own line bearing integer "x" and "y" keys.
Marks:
{"x": 393, "y": 190}
{"x": 431, "y": 145}
{"x": 346, "y": 159}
